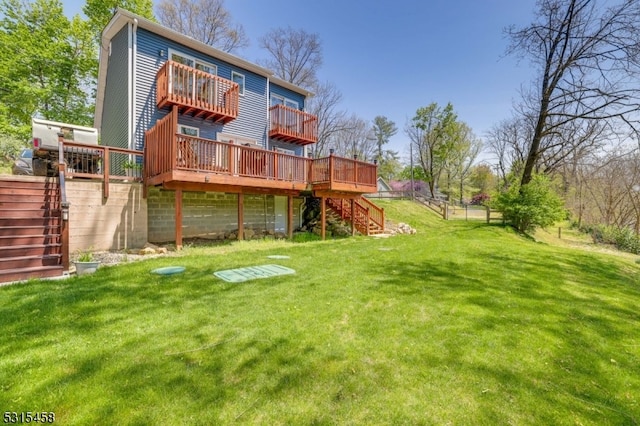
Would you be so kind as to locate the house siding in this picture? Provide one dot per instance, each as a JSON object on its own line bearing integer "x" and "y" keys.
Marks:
{"x": 252, "y": 116}
{"x": 115, "y": 126}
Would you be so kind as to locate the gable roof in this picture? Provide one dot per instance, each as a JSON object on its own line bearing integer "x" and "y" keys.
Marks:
{"x": 123, "y": 17}
{"x": 383, "y": 185}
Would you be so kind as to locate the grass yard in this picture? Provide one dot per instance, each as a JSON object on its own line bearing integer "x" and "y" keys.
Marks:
{"x": 463, "y": 323}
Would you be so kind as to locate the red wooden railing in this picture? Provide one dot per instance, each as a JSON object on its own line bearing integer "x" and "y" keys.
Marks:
{"x": 106, "y": 163}
{"x": 366, "y": 214}
{"x": 197, "y": 92}
{"x": 205, "y": 155}
{"x": 360, "y": 217}
{"x": 289, "y": 124}
{"x": 376, "y": 214}
{"x": 343, "y": 170}
{"x": 159, "y": 149}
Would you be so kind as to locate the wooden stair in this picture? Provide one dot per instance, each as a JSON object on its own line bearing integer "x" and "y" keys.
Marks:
{"x": 30, "y": 228}
{"x": 369, "y": 218}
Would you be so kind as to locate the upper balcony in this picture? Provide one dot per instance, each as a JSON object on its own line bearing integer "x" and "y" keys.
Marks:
{"x": 293, "y": 126}
{"x": 196, "y": 92}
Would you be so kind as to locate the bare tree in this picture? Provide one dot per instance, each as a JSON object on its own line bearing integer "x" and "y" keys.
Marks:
{"x": 586, "y": 57}
{"x": 508, "y": 142}
{"x": 608, "y": 189}
{"x": 354, "y": 139}
{"x": 205, "y": 20}
{"x": 295, "y": 55}
{"x": 324, "y": 105}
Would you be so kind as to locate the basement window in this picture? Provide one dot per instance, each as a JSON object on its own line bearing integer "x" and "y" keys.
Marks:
{"x": 188, "y": 130}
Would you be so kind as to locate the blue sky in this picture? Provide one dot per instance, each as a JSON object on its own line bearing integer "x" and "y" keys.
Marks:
{"x": 392, "y": 57}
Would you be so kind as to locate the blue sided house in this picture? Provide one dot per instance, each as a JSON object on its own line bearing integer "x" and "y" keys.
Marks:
{"x": 225, "y": 142}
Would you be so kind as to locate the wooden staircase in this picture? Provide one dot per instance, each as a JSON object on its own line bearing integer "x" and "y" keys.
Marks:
{"x": 369, "y": 218}
{"x": 30, "y": 228}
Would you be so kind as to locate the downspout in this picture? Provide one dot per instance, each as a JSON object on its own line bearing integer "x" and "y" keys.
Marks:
{"x": 268, "y": 141}
{"x": 304, "y": 147}
{"x": 134, "y": 73}
{"x": 129, "y": 88}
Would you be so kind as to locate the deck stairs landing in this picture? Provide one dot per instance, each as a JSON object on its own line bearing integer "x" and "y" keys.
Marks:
{"x": 30, "y": 228}
{"x": 369, "y": 218}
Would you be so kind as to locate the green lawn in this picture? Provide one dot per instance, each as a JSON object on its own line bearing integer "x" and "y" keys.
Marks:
{"x": 463, "y": 323}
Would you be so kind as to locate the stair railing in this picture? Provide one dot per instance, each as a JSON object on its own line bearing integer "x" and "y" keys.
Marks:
{"x": 64, "y": 204}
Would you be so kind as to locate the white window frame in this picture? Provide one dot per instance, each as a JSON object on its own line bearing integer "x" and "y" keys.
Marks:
{"x": 235, "y": 74}
{"x": 238, "y": 140}
{"x": 195, "y": 61}
{"x": 285, "y": 101}
{"x": 285, "y": 151}
{"x": 182, "y": 127}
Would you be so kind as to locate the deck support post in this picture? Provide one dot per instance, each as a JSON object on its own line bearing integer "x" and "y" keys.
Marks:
{"x": 290, "y": 217}
{"x": 323, "y": 218}
{"x": 240, "y": 216}
{"x": 353, "y": 217}
{"x": 178, "y": 219}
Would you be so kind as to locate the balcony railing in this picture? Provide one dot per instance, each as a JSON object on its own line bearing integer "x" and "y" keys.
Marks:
{"x": 290, "y": 125}
{"x": 196, "y": 92}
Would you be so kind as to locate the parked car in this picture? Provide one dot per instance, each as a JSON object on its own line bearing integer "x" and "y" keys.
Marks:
{"x": 23, "y": 164}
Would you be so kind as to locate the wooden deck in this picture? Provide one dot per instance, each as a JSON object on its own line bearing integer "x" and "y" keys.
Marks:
{"x": 179, "y": 161}
{"x": 196, "y": 93}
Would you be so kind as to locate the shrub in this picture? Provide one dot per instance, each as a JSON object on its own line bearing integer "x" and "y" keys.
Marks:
{"x": 623, "y": 239}
{"x": 531, "y": 206}
{"x": 10, "y": 147}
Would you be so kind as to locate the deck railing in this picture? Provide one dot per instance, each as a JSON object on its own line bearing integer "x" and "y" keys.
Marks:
{"x": 343, "y": 170}
{"x": 205, "y": 155}
{"x": 365, "y": 212}
{"x": 159, "y": 148}
{"x": 197, "y": 92}
{"x": 289, "y": 124}
{"x": 376, "y": 214}
{"x": 166, "y": 150}
{"x": 106, "y": 163}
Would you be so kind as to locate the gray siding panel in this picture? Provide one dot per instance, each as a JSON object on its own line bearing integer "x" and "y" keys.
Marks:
{"x": 114, "y": 131}
{"x": 148, "y": 62}
{"x": 252, "y": 116}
